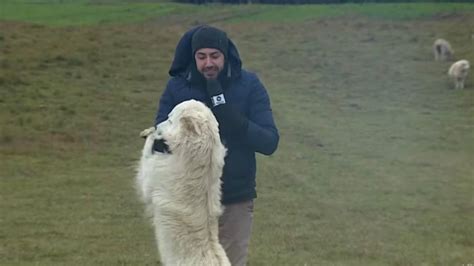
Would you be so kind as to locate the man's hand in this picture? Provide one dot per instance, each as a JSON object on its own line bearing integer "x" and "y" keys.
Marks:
{"x": 215, "y": 92}
{"x": 231, "y": 121}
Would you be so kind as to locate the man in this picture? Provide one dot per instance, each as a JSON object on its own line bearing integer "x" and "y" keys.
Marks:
{"x": 207, "y": 68}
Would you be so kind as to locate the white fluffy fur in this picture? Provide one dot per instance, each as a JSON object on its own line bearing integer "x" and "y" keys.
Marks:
{"x": 458, "y": 72}
{"x": 182, "y": 190}
{"x": 442, "y": 50}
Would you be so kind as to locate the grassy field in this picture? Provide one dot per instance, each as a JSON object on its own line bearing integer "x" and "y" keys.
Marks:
{"x": 375, "y": 164}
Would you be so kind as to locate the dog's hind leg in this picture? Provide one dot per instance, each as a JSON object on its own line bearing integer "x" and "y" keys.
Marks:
{"x": 437, "y": 52}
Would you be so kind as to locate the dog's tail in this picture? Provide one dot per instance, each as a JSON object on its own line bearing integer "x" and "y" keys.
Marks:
{"x": 148, "y": 147}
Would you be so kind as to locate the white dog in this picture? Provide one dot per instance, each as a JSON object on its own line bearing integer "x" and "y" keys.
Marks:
{"x": 458, "y": 72}
{"x": 442, "y": 50}
{"x": 182, "y": 188}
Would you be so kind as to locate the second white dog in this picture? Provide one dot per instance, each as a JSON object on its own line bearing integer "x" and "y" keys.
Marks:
{"x": 458, "y": 73}
{"x": 182, "y": 189}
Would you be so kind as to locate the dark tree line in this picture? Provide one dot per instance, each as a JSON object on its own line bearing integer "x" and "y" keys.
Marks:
{"x": 290, "y": 2}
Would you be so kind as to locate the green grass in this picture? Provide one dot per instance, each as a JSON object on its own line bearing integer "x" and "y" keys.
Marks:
{"x": 89, "y": 12}
{"x": 374, "y": 165}
{"x": 401, "y": 11}
{"x": 82, "y": 13}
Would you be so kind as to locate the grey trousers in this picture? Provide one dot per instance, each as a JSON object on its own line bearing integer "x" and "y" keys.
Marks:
{"x": 235, "y": 227}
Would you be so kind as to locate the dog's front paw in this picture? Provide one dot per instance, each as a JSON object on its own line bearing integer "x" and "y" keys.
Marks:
{"x": 147, "y": 132}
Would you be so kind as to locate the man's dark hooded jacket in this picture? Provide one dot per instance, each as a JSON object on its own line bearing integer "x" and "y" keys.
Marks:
{"x": 245, "y": 93}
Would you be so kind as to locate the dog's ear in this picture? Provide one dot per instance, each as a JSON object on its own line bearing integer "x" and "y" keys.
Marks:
{"x": 190, "y": 125}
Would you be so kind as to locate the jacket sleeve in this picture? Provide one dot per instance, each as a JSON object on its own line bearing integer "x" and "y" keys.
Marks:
{"x": 166, "y": 104}
{"x": 262, "y": 134}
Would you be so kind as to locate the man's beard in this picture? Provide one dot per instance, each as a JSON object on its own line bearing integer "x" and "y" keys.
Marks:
{"x": 211, "y": 72}
{"x": 198, "y": 79}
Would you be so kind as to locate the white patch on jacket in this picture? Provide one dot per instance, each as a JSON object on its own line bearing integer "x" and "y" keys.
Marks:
{"x": 182, "y": 189}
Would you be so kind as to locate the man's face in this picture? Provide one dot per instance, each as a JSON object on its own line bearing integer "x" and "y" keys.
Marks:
{"x": 209, "y": 62}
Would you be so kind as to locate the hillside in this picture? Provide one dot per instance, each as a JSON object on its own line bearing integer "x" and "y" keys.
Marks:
{"x": 375, "y": 159}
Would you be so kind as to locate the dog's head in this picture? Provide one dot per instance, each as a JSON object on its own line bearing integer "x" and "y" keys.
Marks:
{"x": 466, "y": 64}
{"x": 190, "y": 128}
